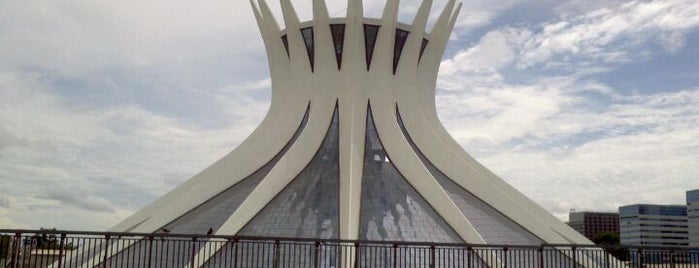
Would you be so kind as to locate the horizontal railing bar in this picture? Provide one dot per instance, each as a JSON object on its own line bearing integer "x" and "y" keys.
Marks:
{"x": 127, "y": 235}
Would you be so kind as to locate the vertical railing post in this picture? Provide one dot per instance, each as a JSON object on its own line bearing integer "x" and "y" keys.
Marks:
{"x": 541, "y": 256}
{"x": 235, "y": 252}
{"x": 17, "y": 243}
{"x": 61, "y": 245}
{"x": 150, "y": 250}
{"x": 469, "y": 256}
{"x": 640, "y": 253}
{"x": 395, "y": 255}
{"x": 433, "y": 258}
{"x": 106, "y": 250}
{"x": 193, "y": 251}
{"x": 276, "y": 254}
{"x": 575, "y": 257}
{"x": 356, "y": 255}
{"x": 504, "y": 256}
{"x": 606, "y": 257}
{"x": 672, "y": 258}
{"x": 316, "y": 254}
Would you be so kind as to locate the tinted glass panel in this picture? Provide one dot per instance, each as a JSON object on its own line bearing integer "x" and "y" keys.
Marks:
{"x": 338, "y": 32}
{"x": 308, "y": 206}
{"x": 422, "y": 47}
{"x": 401, "y": 36}
{"x": 253, "y": 254}
{"x": 692, "y": 195}
{"x": 308, "y": 40}
{"x": 391, "y": 209}
{"x": 370, "y": 33}
{"x": 493, "y": 227}
{"x": 205, "y": 218}
{"x": 214, "y": 212}
{"x": 285, "y": 40}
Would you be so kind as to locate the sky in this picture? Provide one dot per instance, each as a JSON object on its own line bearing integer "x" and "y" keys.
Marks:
{"x": 107, "y": 105}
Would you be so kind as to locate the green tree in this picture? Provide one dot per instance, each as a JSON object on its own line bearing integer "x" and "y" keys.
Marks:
{"x": 606, "y": 239}
{"x": 611, "y": 243}
{"x": 44, "y": 240}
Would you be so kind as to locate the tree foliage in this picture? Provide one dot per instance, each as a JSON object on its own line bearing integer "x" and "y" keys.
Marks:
{"x": 606, "y": 239}
{"x": 612, "y": 244}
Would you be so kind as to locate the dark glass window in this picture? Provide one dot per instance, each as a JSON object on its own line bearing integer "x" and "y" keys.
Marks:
{"x": 214, "y": 212}
{"x": 309, "y": 205}
{"x": 422, "y": 48}
{"x": 370, "y": 33}
{"x": 285, "y": 40}
{"x": 210, "y": 215}
{"x": 391, "y": 209}
{"x": 401, "y": 36}
{"x": 308, "y": 40}
{"x": 338, "y": 32}
{"x": 491, "y": 225}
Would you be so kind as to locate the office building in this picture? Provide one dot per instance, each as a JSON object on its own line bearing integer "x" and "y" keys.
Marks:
{"x": 693, "y": 217}
{"x": 653, "y": 225}
{"x": 590, "y": 223}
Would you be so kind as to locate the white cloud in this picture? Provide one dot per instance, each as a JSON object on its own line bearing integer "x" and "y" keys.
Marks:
{"x": 591, "y": 153}
{"x": 574, "y": 41}
{"x": 643, "y": 149}
{"x": 479, "y": 13}
{"x": 75, "y": 158}
{"x": 126, "y": 48}
{"x": 5, "y": 202}
{"x": 118, "y": 102}
{"x": 94, "y": 99}
{"x": 500, "y": 114}
{"x": 495, "y": 50}
{"x": 78, "y": 198}
{"x": 526, "y": 101}
{"x": 609, "y": 33}
{"x": 479, "y": 65}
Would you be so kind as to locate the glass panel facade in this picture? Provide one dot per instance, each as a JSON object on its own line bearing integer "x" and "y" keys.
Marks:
{"x": 285, "y": 40}
{"x": 391, "y": 209}
{"x": 207, "y": 217}
{"x": 653, "y": 225}
{"x": 338, "y": 33}
{"x": 422, "y": 47}
{"x": 493, "y": 227}
{"x": 693, "y": 219}
{"x": 401, "y": 36}
{"x": 370, "y": 34}
{"x": 253, "y": 254}
{"x": 693, "y": 196}
{"x": 307, "y": 34}
{"x": 309, "y": 206}
{"x": 203, "y": 219}
{"x": 214, "y": 212}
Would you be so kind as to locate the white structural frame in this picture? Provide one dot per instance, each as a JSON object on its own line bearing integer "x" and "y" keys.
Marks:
{"x": 300, "y": 89}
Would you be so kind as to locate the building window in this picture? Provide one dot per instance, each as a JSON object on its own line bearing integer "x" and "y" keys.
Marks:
{"x": 370, "y": 34}
{"x": 285, "y": 40}
{"x": 307, "y": 34}
{"x": 338, "y": 33}
{"x": 422, "y": 48}
{"x": 401, "y": 36}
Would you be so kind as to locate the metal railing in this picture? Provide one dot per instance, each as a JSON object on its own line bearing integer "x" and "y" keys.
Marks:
{"x": 63, "y": 249}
